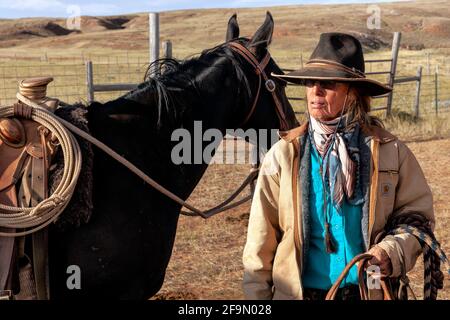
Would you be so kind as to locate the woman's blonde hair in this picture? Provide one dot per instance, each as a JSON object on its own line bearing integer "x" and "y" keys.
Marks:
{"x": 358, "y": 108}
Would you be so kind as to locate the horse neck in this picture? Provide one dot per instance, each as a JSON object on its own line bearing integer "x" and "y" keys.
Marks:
{"x": 211, "y": 108}
{"x": 140, "y": 140}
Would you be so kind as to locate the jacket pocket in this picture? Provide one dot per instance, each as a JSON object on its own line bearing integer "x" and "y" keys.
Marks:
{"x": 387, "y": 184}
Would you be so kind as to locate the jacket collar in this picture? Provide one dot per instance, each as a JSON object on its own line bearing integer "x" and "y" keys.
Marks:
{"x": 376, "y": 133}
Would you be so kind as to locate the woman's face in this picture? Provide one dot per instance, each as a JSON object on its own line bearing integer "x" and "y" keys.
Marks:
{"x": 325, "y": 98}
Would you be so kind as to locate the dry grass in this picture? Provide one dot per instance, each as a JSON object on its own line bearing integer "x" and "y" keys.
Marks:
{"x": 428, "y": 127}
{"x": 434, "y": 157}
{"x": 210, "y": 249}
{"x": 206, "y": 261}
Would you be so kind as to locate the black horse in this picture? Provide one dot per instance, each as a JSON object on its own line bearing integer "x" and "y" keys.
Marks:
{"x": 124, "y": 250}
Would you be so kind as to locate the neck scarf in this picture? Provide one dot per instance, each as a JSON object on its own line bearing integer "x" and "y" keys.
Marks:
{"x": 338, "y": 169}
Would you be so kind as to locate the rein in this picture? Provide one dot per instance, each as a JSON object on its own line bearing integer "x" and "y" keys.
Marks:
{"x": 361, "y": 260}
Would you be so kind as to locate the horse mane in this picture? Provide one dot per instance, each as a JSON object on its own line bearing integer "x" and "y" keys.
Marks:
{"x": 165, "y": 77}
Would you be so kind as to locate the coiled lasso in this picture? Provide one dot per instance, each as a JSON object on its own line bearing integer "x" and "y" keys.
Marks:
{"x": 33, "y": 219}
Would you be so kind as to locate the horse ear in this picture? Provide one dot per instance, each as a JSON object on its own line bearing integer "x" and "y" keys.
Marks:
{"x": 263, "y": 36}
{"x": 233, "y": 28}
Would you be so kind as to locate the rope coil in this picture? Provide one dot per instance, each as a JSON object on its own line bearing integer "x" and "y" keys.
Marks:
{"x": 33, "y": 219}
{"x": 433, "y": 256}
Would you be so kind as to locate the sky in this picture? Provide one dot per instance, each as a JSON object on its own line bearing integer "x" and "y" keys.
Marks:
{"x": 72, "y": 8}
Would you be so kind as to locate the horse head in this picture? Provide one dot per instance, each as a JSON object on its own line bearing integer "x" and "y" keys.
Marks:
{"x": 271, "y": 107}
{"x": 227, "y": 87}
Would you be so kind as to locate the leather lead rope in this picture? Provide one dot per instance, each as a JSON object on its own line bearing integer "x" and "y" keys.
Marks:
{"x": 362, "y": 260}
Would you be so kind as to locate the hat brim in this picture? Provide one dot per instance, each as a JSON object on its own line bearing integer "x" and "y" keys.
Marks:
{"x": 366, "y": 86}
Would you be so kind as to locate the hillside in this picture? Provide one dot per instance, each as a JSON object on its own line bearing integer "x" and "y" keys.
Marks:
{"x": 424, "y": 24}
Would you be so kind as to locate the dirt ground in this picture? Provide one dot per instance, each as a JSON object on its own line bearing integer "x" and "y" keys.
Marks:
{"x": 206, "y": 261}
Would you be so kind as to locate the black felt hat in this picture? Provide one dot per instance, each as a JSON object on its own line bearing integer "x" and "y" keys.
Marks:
{"x": 339, "y": 57}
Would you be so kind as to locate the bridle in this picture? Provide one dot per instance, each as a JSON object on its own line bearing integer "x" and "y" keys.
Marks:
{"x": 270, "y": 85}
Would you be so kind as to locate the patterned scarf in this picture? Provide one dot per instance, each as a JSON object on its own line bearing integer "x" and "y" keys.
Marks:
{"x": 339, "y": 169}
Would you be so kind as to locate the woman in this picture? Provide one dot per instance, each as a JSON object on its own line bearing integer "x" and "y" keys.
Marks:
{"x": 328, "y": 187}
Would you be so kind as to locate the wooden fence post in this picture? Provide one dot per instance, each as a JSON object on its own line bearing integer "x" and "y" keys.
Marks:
{"x": 436, "y": 91}
{"x": 167, "y": 49}
{"x": 417, "y": 100}
{"x": 395, "y": 49}
{"x": 153, "y": 24}
{"x": 90, "y": 81}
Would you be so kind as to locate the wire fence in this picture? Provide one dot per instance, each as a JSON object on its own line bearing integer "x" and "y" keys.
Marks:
{"x": 69, "y": 83}
{"x": 69, "y": 75}
{"x": 434, "y": 95}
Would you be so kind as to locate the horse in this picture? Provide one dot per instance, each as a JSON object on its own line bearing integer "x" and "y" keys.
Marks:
{"x": 124, "y": 250}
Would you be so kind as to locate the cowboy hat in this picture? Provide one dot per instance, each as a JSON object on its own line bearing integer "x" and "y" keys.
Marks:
{"x": 338, "y": 57}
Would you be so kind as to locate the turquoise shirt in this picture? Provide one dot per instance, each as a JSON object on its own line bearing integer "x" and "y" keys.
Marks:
{"x": 322, "y": 269}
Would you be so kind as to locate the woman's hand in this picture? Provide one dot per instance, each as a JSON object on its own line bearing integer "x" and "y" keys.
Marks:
{"x": 380, "y": 259}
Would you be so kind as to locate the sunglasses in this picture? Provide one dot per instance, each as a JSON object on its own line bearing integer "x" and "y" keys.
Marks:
{"x": 325, "y": 84}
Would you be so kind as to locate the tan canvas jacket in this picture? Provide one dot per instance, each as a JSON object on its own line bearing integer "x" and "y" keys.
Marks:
{"x": 273, "y": 252}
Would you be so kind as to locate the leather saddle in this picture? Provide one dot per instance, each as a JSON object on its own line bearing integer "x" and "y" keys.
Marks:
{"x": 26, "y": 151}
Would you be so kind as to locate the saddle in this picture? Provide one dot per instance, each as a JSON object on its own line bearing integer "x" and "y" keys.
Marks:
{"x": 26, "y": 152}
